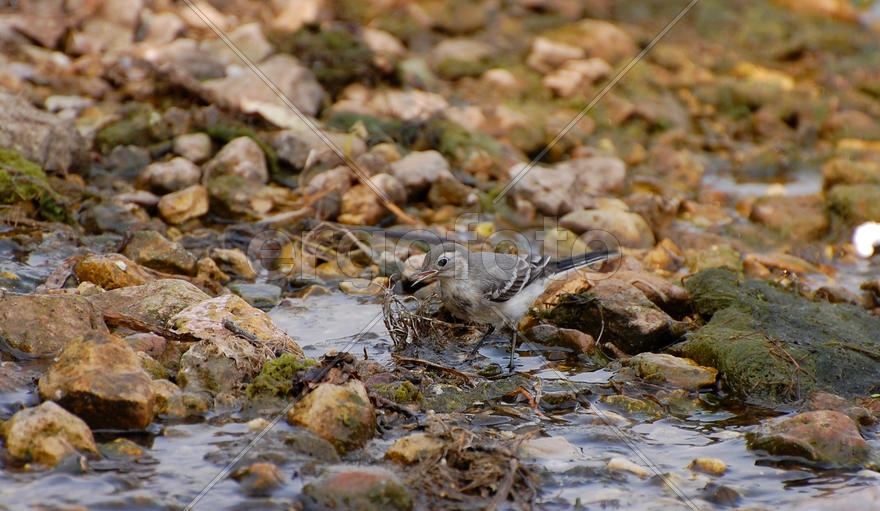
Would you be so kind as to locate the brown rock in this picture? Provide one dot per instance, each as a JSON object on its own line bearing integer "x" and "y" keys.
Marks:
{"x": 801, "y": 218}
{"x": 680, "y": 372}
{"x": 628, "y": 319}
{"x": 41, "y": 324}
{"x": 447, "y": 189}
{"x": 628, "y": 229}
{"x": 357, "y": 487}
{"x": 46, "y": 434}
{"x": 182, "y": 205}
{"x": 259, "y": 479}
{"x": 823, "y": 436}
{"x": 362, "y": 206}
{"x": 414, "y": 448}
{"x": 154, "y": 302}
{"x": 224, "y": 360}
{"x": 110, "y": 271}
{"x": 153, "y": 250}
{"x": 341, "y": 414}
{"x": 99, "y": 377}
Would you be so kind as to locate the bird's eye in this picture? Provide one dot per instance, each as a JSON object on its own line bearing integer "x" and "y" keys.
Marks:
{"x": 442, "y": 262}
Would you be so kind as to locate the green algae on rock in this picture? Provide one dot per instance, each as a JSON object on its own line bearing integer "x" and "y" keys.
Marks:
{"x": 774, "y": 347}
{"x": 276, "y": 378}
{"x": 24, "y": 180}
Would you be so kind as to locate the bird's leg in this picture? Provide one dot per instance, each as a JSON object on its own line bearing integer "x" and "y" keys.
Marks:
{"x": 511, "y": 366}
{"x": 482, "y": 340}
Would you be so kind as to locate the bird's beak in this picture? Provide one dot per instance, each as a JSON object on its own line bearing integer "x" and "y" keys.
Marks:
{"x": 422, "y": 275}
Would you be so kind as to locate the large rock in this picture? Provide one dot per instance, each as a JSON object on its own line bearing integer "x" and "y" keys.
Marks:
{"x": 616, "y": 308}
{"x": 802, "y": 218}
{"x": 823, "y": 436}
{"x": 47, "y": 434}
{"x": 241, "y": 157}
{"x": 153, "y": 250}
{"x": 245, "y": 89}
{"x": 41, "y": 324}
{"x": 38, "y": 135}
{"x": 99, "y": 378}
{"x": 154, "y": 302}
{"x": 224, "y": 360}
{"x": 342, "y": 414}
{"x": 357, "y": 488}
{"x": 775, "y": 347}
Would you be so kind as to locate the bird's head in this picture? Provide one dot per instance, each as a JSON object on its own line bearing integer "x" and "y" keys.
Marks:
{"x": 444, "y": 261}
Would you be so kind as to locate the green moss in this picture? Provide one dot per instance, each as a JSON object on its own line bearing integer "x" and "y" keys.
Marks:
{"x": 400, "y": 392}
{"x": 855, "y": 203}
{"x": 276, "y": 377}
{"x": 336, "y": 56}
{"x": 773, "y": 347}
{"x": 453, "y": 69}
{"x": 132, "y": 129}
{"x": 24, "y": 180}
{"x": 454, "y": 399}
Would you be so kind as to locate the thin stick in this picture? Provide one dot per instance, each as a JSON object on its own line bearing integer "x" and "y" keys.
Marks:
{"x": 121, "y": 320}
{"x": 407, "y": 360}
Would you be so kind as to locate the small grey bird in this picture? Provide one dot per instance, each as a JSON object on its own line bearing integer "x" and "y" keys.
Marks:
{"x": 495, "y": 289}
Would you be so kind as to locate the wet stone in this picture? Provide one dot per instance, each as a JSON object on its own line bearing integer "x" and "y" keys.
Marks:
{"x": 46, "y": 434}
{"x": 153, "y": 250}
{"x": 154, "y": 302}
{"x": 820, "y": 436}
{"x": 100, "y": 378}
{"x": 756, "y": 329}
{"x": 224, "y": 360}
{"x": 342, "y": 414}
{"x": 110, "y": 271}
{"x": 41, "y": 324}
{"x": 259, "y": 479}
{"x": 357, "y": 488}
{"x": 628, "y": 318}
{"x": 680, "y": 372}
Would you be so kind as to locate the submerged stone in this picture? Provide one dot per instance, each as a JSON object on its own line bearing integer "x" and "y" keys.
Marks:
{"x": 680, "y": 372}
{"x": 47, "y": 434}
{"x": 822, "y": 436}
{"x": 357, "y": 488}
{"x": 342, "y": 414}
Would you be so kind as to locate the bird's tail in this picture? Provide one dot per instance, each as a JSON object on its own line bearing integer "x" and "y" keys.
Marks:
{"x": 581, "y": 260}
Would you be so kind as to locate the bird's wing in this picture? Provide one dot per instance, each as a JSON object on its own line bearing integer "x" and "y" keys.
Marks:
{"x": 505, "y": 282}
